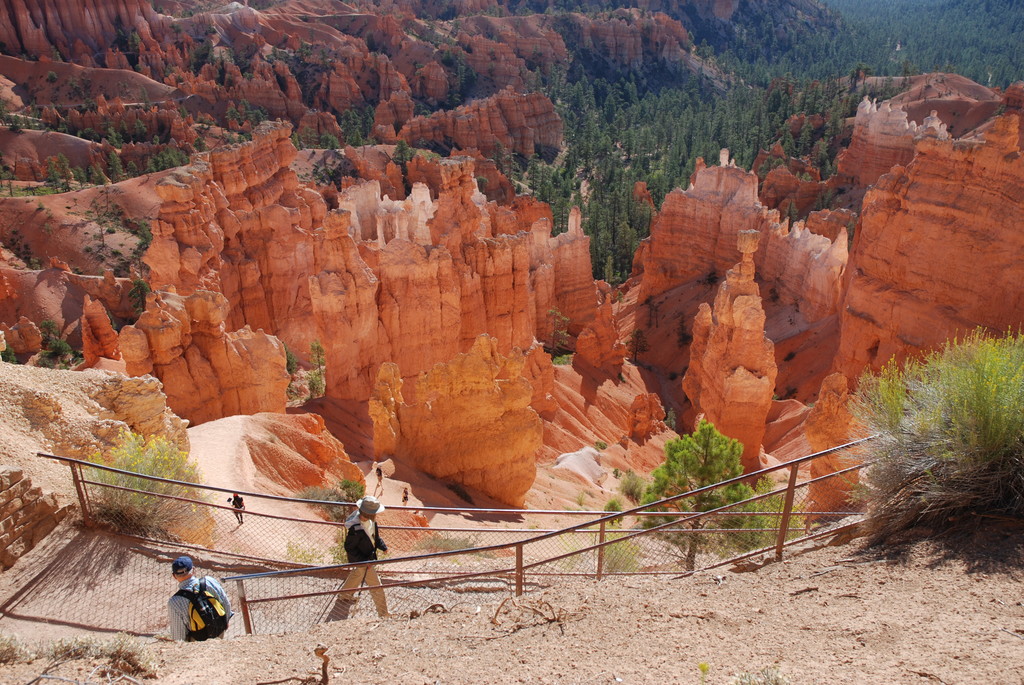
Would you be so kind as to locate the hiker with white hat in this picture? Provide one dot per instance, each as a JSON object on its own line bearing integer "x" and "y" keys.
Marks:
{"x": 362, "y": 540}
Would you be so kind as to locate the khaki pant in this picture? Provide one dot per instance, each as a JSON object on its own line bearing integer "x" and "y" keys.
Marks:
{"x": 363, "y": 575}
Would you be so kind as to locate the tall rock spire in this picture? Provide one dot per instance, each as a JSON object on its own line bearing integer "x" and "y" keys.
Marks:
{"x": 732, "y": 369}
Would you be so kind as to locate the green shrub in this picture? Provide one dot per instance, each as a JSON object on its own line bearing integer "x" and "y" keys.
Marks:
{"x": 613, "y": 505}
{"x": 600, "y": 445}
{"x": 49, "y": 330}
{"x": 951, "y": 435}
{"x": 344, "y": 491}
{"x": 137, "y": 295}
{"x": 136, "y": 511}
{"x": 756, "y": 532}
{"x": 562, "y": 359}
{"x": 291, "y": 361}
{"x": 693, "y": 462}
{"x": 632, "y": 486}
{"x": 302, "y": 555}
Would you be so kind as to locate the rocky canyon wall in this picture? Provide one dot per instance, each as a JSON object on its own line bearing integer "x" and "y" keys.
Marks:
{"x": 471, "y": 423}
{"x": 693, "y": 238}
{"x": 937, "y": 250}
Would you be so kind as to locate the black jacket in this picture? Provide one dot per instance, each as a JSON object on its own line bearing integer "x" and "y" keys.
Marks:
{"x": 358, "y": 545}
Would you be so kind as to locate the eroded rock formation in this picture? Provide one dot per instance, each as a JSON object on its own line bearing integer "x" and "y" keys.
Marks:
{"x": 471, "y": 422}
{"x": 830, "y": 424}
{"x": 412, "y": 281}
{"x": 294, "y": 451}
{"x": 883, "y": 137}
{"x": 207, "y": 371}
{"x": 98, "y": 336}
{"x": 732, "y": 370}
{"x": 599, "y": 345}
{"x": 693, "y": 236}
{"x": 522, "y": 123}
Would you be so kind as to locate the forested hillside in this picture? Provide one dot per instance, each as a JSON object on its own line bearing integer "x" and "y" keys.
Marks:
{"x": 627, "y": 129}
{"x": 980, "y": 39}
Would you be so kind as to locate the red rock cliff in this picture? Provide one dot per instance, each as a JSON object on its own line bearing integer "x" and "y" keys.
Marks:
{"x": 937, "y": 251}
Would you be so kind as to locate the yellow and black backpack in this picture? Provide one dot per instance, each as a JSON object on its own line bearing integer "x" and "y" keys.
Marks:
{"x": 206, "y": 615}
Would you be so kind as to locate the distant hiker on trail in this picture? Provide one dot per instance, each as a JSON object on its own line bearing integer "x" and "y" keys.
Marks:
{"x": 239, "y": 504}
{"x": 200, "y": 609}
{"x": 405, "y": 495}
{"x": 379, "y": 472}
{"x": 362, "y": 541}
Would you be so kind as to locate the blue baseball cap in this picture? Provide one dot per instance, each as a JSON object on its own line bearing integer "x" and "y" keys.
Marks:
{"x": 181, "y": 565}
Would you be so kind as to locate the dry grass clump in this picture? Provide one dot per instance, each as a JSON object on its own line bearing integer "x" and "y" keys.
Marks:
{"x": 766, "y": 676}
{"x": 122, "y": 654}
{"x": 951, "y": 435}
{"x": 12, "y": 651}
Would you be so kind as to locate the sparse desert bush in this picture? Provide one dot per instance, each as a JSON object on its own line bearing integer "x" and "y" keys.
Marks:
{"x": 766, "y": 676}
{"x": 632, "y": 486}
{"x": 622, "y": 557}
{"x": 12, "y": 651}
{"x": 78, "y": 647}
{"x": 344, "y": 491}
{"x": 951, "y": 435}
{"x": 139, "y": 510}
{"x": 443, "y": 542}
{"x": 302, "y": 555}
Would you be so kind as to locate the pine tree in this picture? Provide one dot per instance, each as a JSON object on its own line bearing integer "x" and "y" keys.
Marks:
{"x": 691, "y": 462}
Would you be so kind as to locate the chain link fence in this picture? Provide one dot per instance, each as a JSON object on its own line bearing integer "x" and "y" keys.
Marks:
{"x": 432, "y": 567}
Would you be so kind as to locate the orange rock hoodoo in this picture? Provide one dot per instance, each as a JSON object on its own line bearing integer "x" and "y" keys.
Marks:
{"x": 207, "y": 372}
{"x": 732, "y": 370}
{"x": 693, "y": 236}
{"x": 471, "y": 422}
{"x": 883, "y": 137}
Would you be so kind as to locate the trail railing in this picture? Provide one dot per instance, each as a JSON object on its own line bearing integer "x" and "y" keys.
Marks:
{"x": 499, "y": 550}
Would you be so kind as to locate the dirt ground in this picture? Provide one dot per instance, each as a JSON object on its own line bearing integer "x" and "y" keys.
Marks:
{"x": 941, "y": 611}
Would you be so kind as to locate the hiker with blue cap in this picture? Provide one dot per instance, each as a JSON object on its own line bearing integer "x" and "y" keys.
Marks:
{"x": 200, "y": 609}
{"x": 362, "y": 540}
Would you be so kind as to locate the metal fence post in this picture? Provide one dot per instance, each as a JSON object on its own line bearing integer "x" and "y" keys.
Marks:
{"x": 600, "y": 551}
{"x": 244, "y": 604}
{"x": 519, "y": 570}
{"x": 83, "y": 499}
{"x": 787, "y": 510}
